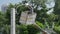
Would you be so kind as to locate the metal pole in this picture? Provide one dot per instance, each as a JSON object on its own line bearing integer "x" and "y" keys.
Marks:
{"x": 13, "y": 21}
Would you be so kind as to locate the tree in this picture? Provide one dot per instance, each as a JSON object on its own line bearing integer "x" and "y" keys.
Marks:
{"x": 57, "y": 7}
{"x": 2, "y": 19}
{"x": 8, "y": 14}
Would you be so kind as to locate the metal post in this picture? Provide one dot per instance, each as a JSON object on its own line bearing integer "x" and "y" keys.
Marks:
{"x": 13, "y": 21}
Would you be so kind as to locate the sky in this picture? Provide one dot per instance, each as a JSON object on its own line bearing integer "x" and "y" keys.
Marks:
{"x": 8, "y": 1}
{"x": 50, "y": 3}
{"x": 17, "y": 1}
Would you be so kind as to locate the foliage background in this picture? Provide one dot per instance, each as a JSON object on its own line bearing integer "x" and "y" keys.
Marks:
{"x": 43, "y": 19}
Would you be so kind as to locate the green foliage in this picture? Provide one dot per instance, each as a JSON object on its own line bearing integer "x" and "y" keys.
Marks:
{"x": 20, "y": 29}
{"x": 2, "y": 19}
{"x": 57, "y": 29}
{"x": 40, "y": 19}
{"x": 40, "y": 24}
{"x": 38, "y": 3}
{"x": 6, "y": 29}
{"x": 32, "y": 29}
{"x": 57, "y": 7}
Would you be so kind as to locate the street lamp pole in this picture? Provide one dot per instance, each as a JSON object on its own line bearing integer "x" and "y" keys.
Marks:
{"x": 13, "y": 21}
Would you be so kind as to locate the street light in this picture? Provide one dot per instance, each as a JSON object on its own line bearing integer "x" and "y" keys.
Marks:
{"x": 31, "y": 7}
{"x": 28, "y": 17}
{"x": 13, "y": 11}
